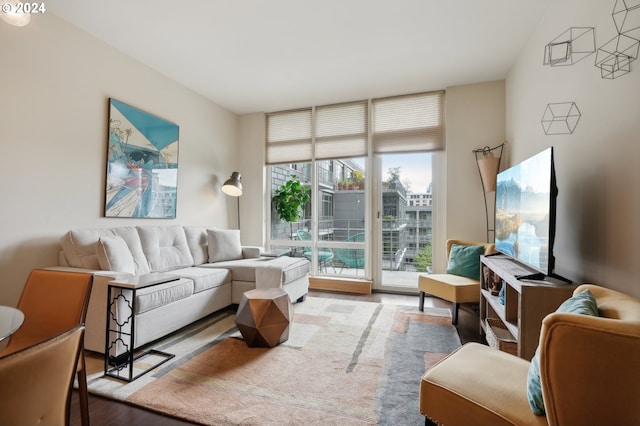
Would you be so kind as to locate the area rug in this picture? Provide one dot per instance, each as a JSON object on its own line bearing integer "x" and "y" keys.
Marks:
{"x": 345, "y": 362}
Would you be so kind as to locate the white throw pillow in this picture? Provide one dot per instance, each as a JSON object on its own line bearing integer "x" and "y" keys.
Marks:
{"x": 197, "y": 240}
{"x": 224, "y": 244}
{"x": 114, "y": 255}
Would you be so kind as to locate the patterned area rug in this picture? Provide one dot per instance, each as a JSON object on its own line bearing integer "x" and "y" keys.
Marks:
{"x": 346, "y": 362}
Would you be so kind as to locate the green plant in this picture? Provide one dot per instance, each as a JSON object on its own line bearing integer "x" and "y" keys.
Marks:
{"x": 289, "y": 199}
{"x": 388, "y": 221}
{"x": 393, "y": 175}
{"x": 423, "y": 260}
{"x": 358, "y": 176}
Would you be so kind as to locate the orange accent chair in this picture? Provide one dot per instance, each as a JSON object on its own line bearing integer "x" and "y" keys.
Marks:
{"x": 54, "y": 301}
{"x": 37, "y": 381}
{"x": 454, "y": 288}
{"x": 589, "y": 373}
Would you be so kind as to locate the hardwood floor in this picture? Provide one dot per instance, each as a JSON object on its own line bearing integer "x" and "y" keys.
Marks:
{"x": 106, "y": 412}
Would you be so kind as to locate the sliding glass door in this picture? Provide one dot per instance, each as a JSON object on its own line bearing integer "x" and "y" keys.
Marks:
{"x": 404, "y": 228}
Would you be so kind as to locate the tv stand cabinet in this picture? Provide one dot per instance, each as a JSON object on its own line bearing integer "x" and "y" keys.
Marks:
{"x": 526, "y": 301}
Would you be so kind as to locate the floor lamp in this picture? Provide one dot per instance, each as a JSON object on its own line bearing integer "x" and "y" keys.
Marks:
{"x": 488, "y": 167}
{"x": 233, "y": 188}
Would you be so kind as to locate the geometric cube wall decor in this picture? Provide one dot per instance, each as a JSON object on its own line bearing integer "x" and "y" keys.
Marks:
{"x": 626, "y": 16}
{"x": 570, "y": 47}
{"x": 560, "y": 118}
{"x": 615, "y": 56}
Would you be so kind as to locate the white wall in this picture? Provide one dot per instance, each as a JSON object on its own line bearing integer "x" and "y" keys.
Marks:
{"x": 475, "y": 117}
{"x": 251, "y": 159}
{"x": 56, "y": 81}
{"x": 598, "y": 234}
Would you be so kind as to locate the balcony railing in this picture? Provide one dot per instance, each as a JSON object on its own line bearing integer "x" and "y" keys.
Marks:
{"x": 402, "y": 239}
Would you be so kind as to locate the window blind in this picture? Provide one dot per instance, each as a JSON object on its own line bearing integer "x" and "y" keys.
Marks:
{"x": 410, "y": 123}
{"x": 289, "y": 136}
{"x": 341, "y": 131}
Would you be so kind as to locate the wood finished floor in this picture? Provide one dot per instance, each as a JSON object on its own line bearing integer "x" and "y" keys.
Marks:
{"x": 106, "y": 412}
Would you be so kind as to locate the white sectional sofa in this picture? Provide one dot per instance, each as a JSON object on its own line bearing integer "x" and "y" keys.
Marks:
{"x": 213, "y": 272}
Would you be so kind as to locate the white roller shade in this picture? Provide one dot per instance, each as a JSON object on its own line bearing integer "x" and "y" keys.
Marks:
{"x": 410, "y": 123}
{"x": 289, "y": 136}
{"x": 341, "y": 131}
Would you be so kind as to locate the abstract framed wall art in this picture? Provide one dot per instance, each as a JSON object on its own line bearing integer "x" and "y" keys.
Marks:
{"x": 142, "y": 164}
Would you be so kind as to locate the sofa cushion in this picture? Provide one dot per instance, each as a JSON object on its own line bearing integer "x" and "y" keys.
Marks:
{"x": 295, "y": 268}
{"x": 165, "y": 247}
{"x": 80, "y": 247}
{"x": 582, "y": 303}
{"x": 224, "y": 244}
{"x": 198, "y": 243}
{"x": 114, "y": 255}
{"x": 465, "y": 261}
{"x": 245, "y": 269}
{"x": 152, "y": 297}
{"x": 205, "y": 278}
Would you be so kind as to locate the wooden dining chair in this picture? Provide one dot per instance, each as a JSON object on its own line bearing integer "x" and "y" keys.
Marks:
{"x": 36, "y": 382}
{"x": 54, "y": 301}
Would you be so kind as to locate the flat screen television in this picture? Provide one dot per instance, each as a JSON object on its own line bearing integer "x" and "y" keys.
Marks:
{"x": 525, "y": 219}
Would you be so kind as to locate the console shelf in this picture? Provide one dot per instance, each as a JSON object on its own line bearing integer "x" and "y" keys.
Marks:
{"x": 526, "y": 301}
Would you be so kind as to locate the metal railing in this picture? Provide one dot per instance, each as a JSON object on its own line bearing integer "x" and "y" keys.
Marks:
{"x": 402, "y": 239}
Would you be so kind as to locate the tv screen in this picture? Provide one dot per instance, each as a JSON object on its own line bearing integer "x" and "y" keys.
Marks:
{"x": 525, "y": 212}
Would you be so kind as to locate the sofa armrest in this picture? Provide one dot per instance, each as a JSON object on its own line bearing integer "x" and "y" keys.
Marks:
{"x": 590, "y": 362}
{"x": 251, "y": 252}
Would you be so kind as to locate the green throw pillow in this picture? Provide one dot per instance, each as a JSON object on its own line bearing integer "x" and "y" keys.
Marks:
{"x": 465, "y": 261}
{"x": 582, "y": 303}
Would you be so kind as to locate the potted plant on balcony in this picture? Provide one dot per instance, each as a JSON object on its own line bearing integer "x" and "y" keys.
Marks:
{"x": 358, "y": 178}
{"x": 289, "y": 199}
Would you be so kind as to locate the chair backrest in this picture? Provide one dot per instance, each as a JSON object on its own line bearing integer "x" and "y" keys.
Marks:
{"x": 52, "y": 301}
{"x": 489, "y": 248}
{"x": 356, "y": 238}
{"x": 36, "y": 382}
{"x": 354, "y": 258}
{"x": 304, "y": 236}
{"x": 589, "y": 365}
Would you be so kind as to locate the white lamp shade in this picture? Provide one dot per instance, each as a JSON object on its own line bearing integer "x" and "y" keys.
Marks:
{"x": 10, "y": 15}
{"x": 233, "y": 186}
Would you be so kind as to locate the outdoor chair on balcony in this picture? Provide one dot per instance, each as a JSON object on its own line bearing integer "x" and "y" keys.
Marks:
{"x": 325, "y": 255}
{"x": 352, "y": 258}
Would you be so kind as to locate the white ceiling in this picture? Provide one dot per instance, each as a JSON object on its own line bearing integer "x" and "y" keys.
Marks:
{"x": 270, "y": 55}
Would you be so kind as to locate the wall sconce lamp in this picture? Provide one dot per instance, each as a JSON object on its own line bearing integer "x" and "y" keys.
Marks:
{"x": 233, "y": 188}
{"x": 488, "y": 167}
{"x": 13, "y": 13}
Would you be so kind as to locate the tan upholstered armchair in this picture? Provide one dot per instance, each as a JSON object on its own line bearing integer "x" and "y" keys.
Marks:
{"x": 589, "y": 372}
{"x": 452, "y": 287}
